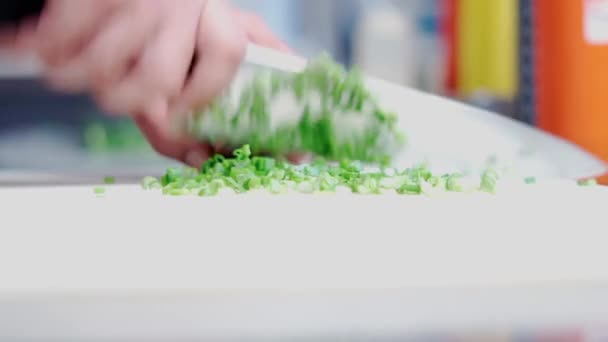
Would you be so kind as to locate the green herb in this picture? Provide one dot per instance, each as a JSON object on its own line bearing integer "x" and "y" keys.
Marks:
{"x": 454, "y": 183}
{"x": 99, "y": 190}
{"x": 109, "y": 180}
{"x": 587, "y": 182}
{"x": 115, "y": 136}
{"x": 530, "y": 180}
{"x": 488, "y": 181}
{"x": 329, "y": 96}
{"x": 246, "y": 172}
{"x": 149, "y": 183}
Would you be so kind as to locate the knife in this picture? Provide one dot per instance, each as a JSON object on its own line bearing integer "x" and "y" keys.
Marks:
{"x": 450, "y": 135}
{"x": 441, "y": 132}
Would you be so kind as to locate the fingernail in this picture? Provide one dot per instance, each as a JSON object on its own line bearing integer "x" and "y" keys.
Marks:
{"x": 195, "y": 158}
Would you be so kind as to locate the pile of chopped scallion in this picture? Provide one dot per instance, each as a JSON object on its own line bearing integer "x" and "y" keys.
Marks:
{"x": 244, "y": 172}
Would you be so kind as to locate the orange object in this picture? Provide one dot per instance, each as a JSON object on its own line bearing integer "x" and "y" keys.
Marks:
{"x": 571, "y": 49}
{"x": 603, "y": 180}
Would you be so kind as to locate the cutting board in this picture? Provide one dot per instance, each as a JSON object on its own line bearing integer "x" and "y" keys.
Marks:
{"x": 134, "y": 264}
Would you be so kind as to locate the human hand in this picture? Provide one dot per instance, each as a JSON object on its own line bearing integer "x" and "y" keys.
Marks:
{"x": 134, "y": 56}
{"x": 149, "y": 59}
{"x": 193, "y": 153}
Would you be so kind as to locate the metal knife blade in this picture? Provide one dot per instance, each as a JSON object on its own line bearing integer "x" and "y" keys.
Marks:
{"x": 452, "y": 135}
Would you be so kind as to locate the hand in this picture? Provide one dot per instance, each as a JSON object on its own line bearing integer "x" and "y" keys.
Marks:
{"x": 148, "y": 59}
{"x": 192, "y": 152}
{"x": 134, "y": 56}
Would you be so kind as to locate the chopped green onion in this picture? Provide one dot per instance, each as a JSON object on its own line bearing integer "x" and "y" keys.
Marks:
{"x": 321, "y": 90}
{"x": 489, "y": 180}
{"x": 109, "y": 180}
{"x": 306, "y": 187}
{"x": 587, "y": 182}
{"x": 454, "y": 183}
{"x": 246, "y": 172}
{"x": 173, "y": 174}
{"x": 149, "y": 183}
{"x": 410, "y": 187}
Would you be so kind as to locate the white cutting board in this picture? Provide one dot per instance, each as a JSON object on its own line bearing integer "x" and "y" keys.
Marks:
{"x": 135, "y": 264}
{"x": 64, "y": 239}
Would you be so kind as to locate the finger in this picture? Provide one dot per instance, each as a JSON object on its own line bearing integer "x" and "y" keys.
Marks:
{"x": 126, "y": 97}
{"x": 164, "y": 66}
{"x": 188, "y": 152}
{"x": 66, "y": 25}
{"x": 114, "y": 51}
{"x": 162, "y": 69}
{"x": 259, "y": 33}
{"x": 220, "y": 50}
{"x": 111, "y": 53}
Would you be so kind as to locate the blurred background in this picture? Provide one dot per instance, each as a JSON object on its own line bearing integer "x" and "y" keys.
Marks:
{"x": 543, "y": 62}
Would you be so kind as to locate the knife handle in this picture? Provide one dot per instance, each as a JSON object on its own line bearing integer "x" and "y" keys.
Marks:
{"x": 12, "y": 12}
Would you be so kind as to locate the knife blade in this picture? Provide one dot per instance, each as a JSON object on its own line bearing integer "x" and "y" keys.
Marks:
{"x": 450, "y": 135}
{"x": 444, "y": 133}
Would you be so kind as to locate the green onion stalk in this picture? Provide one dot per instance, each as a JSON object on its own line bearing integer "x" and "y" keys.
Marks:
{"x": 245, "y": 172}
{"x": 335, "y": 116}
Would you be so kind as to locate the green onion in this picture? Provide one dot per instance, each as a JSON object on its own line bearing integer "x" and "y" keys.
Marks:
{"x": 149, "y": 183}
{"x": 246, "y": 172}
{"x": 173, "y": 174}
{"x": 306, "y": 187}
{"x": 488, "y": 181}
{"x": 587, "y": 182}
{"x": 109, "y": 180}
{"x": 316, "y": 128}
{"x": 454, "y": 183}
